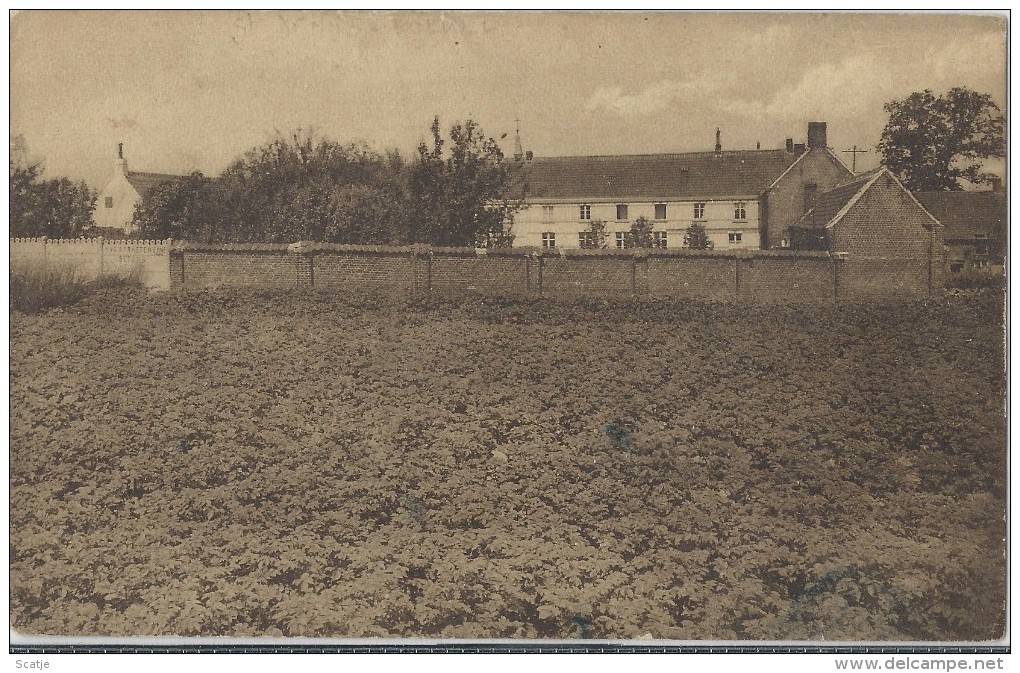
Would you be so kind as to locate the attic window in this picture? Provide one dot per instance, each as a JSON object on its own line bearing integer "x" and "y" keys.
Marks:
{"x": 108, "y": 202}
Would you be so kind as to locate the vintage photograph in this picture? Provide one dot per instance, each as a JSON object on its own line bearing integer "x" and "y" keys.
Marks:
{"x": 519, "y": 326}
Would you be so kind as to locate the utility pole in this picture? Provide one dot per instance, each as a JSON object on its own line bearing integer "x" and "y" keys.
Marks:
{"x": 854, "y": 152}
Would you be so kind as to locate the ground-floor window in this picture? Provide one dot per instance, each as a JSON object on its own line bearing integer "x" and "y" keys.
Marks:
{"x": 661, "y": 239}
{"x": 548, "y": 239}
{"x": 736, "y": 236}
{"x": 621, "y": 239}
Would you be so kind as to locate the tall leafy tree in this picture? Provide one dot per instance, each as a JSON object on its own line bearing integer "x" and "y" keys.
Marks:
{"x": 465, "y": 194}
{"x": 57, "y": 208}
{"x": 181, "y": 209}
{"x": 932, "y": 142}
{"x": 295, "y": 187}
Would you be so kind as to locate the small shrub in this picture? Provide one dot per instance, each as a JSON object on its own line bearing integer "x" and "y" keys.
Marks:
{"x": 36, "y": 290}
{"x": 972, "y": 279}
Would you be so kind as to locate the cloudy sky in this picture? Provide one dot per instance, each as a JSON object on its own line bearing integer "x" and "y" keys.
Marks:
{"x": 192, "y": 90}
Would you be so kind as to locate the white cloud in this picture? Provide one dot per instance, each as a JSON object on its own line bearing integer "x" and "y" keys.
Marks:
{"x": 854, "y": 85}
{"x": 652, "y": 99}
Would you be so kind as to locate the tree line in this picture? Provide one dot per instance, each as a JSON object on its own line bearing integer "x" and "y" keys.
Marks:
{"x": 460, "y": 191}
{"x": 456, "y": 190}
{"x": 56, "y": 208}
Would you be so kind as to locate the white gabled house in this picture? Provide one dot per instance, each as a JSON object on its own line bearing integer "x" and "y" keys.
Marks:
{"x": 115, "y": 205}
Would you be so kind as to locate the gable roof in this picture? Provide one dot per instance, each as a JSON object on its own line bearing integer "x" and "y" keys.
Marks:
{"x": 966, "y": 214}
{"x": 146, "y": 182}
{"x": 831, "y": 206}
{"x": 687, "y": 176}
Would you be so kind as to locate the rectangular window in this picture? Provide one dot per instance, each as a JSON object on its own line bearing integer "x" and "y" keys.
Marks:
{"x": 661, "y": 238}
{"x": 660, "y": 211}
{"x": 621, "y": 239}
{"x": 699, "y": 211}
{"x": 547, "y": 213}
{"x": 585, "y": 239}
{"x": 621, "y": 212}
{"x": 736, "y": 237}
{"x": 585, "y": 211}
{"x": 739, "y": 210}
{"x": 548, "y": 239}
{"x": 109, "y": 202}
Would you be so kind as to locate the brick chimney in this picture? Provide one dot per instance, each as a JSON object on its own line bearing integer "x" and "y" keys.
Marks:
{"x": 789, "y": 145}
{"x": 816, "y": 139}
{"x": 121, "y": 165}
{"x": 718, "y": 141}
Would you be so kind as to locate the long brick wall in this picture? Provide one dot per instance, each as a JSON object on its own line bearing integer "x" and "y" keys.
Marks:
{"x": 743, "y": 275}
{"x": 753, "y": 275}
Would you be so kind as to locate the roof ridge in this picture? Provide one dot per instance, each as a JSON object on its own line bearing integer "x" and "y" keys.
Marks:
{"x": 654, "y": 154}
{"x": 175, "y": 175}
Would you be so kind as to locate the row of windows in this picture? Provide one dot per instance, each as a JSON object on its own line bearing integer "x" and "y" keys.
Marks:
{"x": 622, "y": 214}
{"x": 586, "y": 239}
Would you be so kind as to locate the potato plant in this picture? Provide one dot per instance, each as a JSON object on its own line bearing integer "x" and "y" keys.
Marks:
{"x": 306, "y": 464}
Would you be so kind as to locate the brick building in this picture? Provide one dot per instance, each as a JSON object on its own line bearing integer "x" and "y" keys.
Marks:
{"x": 115, "y": 205}
{"x": 975, "y": 227}
{"x": 744, "y": 199}
{"x": 892, "y": 245}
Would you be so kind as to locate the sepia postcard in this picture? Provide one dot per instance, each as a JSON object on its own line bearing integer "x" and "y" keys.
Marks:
{"x": 550, "y": 329}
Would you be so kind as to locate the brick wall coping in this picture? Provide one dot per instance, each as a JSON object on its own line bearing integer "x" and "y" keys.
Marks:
{"x": 309, "y": 247}
{"x": 180, "y": 246}
{"x": 681, "y": 252}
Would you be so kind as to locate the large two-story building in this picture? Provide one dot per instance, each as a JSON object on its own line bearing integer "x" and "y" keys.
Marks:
{"x": 744, "y": 199}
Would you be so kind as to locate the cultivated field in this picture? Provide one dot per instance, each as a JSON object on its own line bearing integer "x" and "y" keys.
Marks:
{"x": 300, "y": 464}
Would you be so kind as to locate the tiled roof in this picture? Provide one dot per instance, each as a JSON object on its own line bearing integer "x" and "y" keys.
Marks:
{"x": 145, "y": 182}
{"x": 828, "y": 204}
{"x": 966, "y": 214}
{"x": 693, "y": 175}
